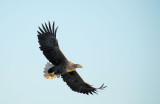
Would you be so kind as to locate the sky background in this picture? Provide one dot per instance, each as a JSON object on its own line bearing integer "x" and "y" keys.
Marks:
{"x": 116, "y": 41}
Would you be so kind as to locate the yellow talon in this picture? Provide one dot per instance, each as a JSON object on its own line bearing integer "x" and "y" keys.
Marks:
{"x": 51, "y": 76}
{"x": 52, "y": 73}
{"x": 48, "y": 77}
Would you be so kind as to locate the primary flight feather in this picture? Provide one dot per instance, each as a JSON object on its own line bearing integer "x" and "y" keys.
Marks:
{"x": 59, "y": 65}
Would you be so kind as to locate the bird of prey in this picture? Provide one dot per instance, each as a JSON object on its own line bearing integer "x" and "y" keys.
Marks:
{"x": 59, "y": 65}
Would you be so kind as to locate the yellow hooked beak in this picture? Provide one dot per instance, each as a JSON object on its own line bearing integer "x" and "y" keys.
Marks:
{"x": 80, "y": 66}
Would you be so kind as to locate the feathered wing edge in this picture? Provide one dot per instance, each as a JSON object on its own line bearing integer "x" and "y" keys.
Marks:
{"x": 48, "y": 29}
{"x": 49, "y": 44}
{"x": 76, "y": 83}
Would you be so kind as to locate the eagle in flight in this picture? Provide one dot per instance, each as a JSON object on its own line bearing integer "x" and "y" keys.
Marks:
{"x": 59, "y": 65}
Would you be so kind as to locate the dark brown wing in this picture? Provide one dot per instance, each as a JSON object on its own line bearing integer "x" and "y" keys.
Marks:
{"x": 76, "y": 83}
{"x": 49, "y": 44}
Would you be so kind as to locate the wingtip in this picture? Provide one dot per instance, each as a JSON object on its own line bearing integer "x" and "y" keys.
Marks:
{"x": 38, "y": 33}
{"x": 102, "y": 87}
{"x": 44, "y": 28}
{"x": 49, "y": 26}
{"x": 95, "y": 92}
{"x": 56, "y": 30}
{"x": 41, "y": 30}
{"x": 53, "y": 27}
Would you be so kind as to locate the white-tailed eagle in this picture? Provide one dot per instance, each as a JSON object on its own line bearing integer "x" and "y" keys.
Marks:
{"x": 59, "y": 65}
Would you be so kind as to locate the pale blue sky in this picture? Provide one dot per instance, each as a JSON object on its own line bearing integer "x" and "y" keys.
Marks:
{"x": 116, "y": 41}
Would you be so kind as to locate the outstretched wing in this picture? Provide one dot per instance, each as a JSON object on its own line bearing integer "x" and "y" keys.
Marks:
{"x": 76, "y": 83}
{"x": 49, "y": 44}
